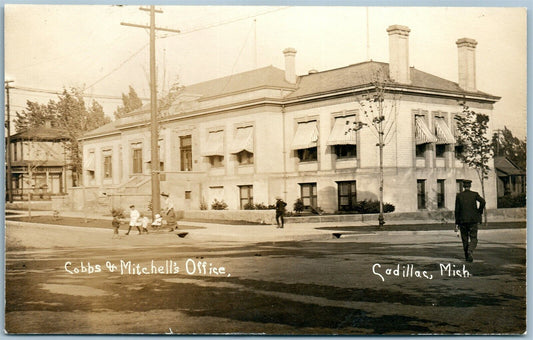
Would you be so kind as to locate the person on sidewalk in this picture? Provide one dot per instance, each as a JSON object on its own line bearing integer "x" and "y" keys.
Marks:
{"x": 134, "y": 219}
{"x": 144, "y": 223}
{"x": 467, "y": 217}
{"x": 116, "y": 225}
{"x": 158, "y": 221}
{"x": 170, "y": 213}
{"x": 280, "y": 212}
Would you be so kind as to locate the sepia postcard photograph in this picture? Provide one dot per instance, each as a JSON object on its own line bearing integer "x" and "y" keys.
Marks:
{"x": 264, "y": 169}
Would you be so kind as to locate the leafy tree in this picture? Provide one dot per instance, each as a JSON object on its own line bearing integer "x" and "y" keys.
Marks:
{"x": 511, "y": 147}
{"x": 34, "y": 115}
{"x": 69, "y": 113}
{"x": 130, "y": 102}
{"x": 478, "y": 150}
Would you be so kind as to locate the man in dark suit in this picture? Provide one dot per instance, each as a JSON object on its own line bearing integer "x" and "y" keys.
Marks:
{"x": 467, "y": 217}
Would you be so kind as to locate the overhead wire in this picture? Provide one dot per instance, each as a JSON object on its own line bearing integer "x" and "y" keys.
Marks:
{"x": 143, "y": 47}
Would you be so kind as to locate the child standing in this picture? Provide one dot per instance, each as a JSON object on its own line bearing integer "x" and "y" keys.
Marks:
{"x": 145, "y": 222}
{"x": 134, "y": 219}
{"x": 118, "y": 215}
{"x": 116, "y": 224}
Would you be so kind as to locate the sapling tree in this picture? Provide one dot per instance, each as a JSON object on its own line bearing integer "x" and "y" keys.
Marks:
{"x": 378, "y": 111}
{"x": 477, "y": 147}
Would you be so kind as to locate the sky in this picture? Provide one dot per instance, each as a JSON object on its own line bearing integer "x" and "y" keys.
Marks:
{"x": 50, "y": 47}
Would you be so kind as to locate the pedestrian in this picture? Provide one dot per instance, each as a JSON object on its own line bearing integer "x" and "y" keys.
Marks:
{"x": 144, "y": 223}
{"x": 170, "y": 213}
{"x": 467, "y": 217}
{"x": 158, "y": 221}
{"x": 134, "y": 219}
{"x": 280, "y": 212}
{"x": 116, "y": 224}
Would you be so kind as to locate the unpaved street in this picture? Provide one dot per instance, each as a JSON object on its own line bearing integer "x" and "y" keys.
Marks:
{"x": 390, "y": 282}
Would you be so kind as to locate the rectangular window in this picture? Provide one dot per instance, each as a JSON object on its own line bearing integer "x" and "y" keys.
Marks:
{"x": 244, "y": 157}
{"x": 307, "y": 155}
{"x": 246, "y": 195}
{"x": 459, "y": 186}
{"x": 186, "y": 153}
{"x": 243, "y": 145}
{"x": 162, "y": 175}
{"x": 137, "y": 159}
{"x": 345, "y": 151}
{"x": 187, "y": 195}
{"x": 440, "y": 193}
{"x": 108, "y": 170}
{"x": 347, "y": 195}
{"x": 308, "y": 195}
{"x": 421, "y": 150}
{"x": 421, "y": 193}
{"x": 439, "y": 150}
{"x": 216, "y": 161}
{"x": 459, "y": 149}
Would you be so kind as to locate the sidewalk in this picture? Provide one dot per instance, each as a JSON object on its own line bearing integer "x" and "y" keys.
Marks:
{"x": 207, "y": 231}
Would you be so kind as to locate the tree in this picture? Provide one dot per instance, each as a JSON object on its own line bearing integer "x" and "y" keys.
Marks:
{"x": 69, "y": 113}
{"x": 511, "y": 147}
{"x": 35, "y": 115}
{"x": 478, "y": 150}
{"x": 378, "y": 108}
{"x": 130, "y": 101}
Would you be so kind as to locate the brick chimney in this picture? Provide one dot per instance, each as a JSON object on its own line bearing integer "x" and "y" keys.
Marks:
{"x": 466, "y": 49}
{"x": 290, "y": 65}
{"x": 399, "y": 54}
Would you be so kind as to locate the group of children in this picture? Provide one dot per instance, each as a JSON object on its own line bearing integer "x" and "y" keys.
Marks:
{"x": 137, "y": 220}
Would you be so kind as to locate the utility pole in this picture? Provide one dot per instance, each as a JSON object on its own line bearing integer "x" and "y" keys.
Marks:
{"x": 154, "y": 133}
{"x": 8, "y": 144}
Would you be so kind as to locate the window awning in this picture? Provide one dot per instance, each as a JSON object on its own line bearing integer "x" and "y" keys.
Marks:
{"x": 443, "y": 132}
{"x": 422, "y": 133}
{"x": 306, "y": 136}
{"x": 243, "y": 141}
{"x": 215, "y": 144}
{"x": 341, "y": 133}
{"x": 89, "y": 163}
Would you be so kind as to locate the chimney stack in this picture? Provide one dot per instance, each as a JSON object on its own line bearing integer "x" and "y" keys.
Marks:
{"x": 399, "y": 54}
{"x": 466, "y": 49}
{"x": 290, "y": 65}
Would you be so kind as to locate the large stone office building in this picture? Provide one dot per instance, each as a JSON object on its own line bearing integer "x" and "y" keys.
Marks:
{"x": 252, "y": 136}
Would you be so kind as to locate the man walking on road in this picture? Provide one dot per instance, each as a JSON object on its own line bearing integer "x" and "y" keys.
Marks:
{"x": 280, "y": 212}
{"x": 467, "y": 217}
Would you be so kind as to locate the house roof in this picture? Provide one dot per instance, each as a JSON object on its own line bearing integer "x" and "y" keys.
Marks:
{"x": 268, "y": 76}
{"x": 41, "y": 133}
{"x": 506, "y": 167}
{"x": 349, "y": 77}
{"x": 366, "y": 72}
{"x": 104, "y": 129}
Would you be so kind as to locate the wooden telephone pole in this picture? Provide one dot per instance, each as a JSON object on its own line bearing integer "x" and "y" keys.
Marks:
{"x": 154, "y": 133}
{"x": 8, "y": 145}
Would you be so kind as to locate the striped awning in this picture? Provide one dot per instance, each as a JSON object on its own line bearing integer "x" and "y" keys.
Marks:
{"x": 89, "y": 163}
{"x": 243, "y": 141}
{"x": 423, "y": 134}
{"x": 343, "y": 132}
{"x": 443, "y": 132}
{"x": 215, "y": 144}
{"x": 306, "y": 136}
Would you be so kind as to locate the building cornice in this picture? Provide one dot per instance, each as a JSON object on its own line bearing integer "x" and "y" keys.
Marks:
{"x": 292, "y": 101}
